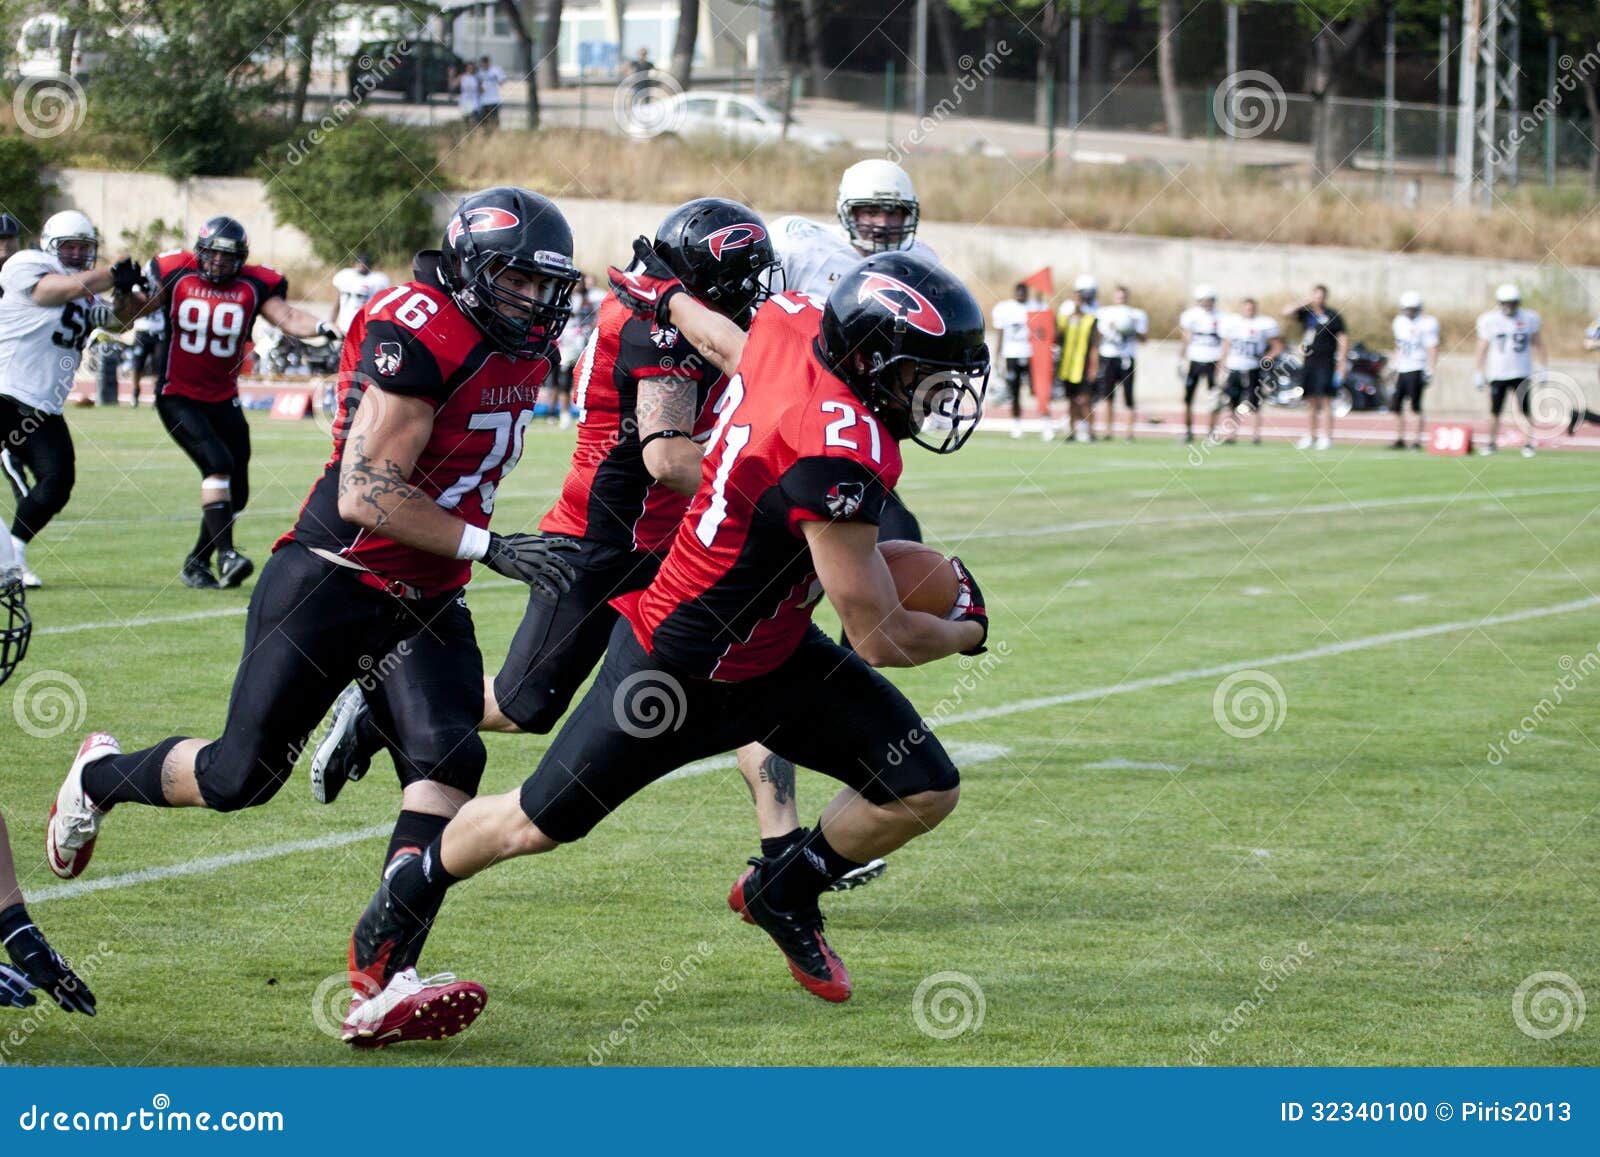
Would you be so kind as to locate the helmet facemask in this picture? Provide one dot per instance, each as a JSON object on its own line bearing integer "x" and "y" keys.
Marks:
{"x": 16, "y": 626}
{"x": 871, "y": 238}
{"x": 740, "y": 302}
{"x": 937, "y": 404}
{"x": 91, "y": 251}
{"x": 521, "y": 325}
{"x": 220, "y": 259}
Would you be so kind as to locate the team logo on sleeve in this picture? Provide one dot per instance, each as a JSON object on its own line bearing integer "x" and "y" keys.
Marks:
{"x": 388, "y": 358}
{"x": 845, "y": 498}
{"x": 483, "y": 219}
{"x": 900, "y": 299}
{"x": 664, "y": 337}
{"x": 740, "y": 236}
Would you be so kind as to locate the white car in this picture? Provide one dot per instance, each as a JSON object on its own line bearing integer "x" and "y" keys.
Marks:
{"x": 745, "y": 119}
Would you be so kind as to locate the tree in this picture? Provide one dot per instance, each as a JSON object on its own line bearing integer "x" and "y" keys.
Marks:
{"x": 525, "y": 62}
{"x": 552, "y": 45}
{"x": 1577, "y": 23}
{"x": 683, "y": 45}
{"x": 1169, "y": 15}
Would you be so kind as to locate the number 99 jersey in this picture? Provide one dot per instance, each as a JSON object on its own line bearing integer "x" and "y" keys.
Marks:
{"x": 412, "y": 341}
{"x": 792, "y": 444}
{"x": 208, "y": 324}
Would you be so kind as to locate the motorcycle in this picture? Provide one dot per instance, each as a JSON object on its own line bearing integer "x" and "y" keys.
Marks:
{"x": 282, "y": 355}
{"x": 1366, "y": 387}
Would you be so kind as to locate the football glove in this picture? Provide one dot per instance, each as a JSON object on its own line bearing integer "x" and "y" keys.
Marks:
{"x": 969, "y": 606}
{"x": 647, "y": 286}
{"x": 325, "y": 330}
{"x": 1479, "y": 381}
{"x": 46, "y": 971}
{"x": 126, "y": 276}
{"x": 533, "y": 559}
{"x": 14, "y": 989}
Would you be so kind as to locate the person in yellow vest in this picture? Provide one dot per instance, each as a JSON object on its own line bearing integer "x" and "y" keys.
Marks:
{"x": 1079, "y": 366}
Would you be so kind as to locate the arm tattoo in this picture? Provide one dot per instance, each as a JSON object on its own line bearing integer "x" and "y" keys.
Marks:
{"x": 665, "y": 404}
{"x": 375, "y": 480}
{"x": 779, "y": 772}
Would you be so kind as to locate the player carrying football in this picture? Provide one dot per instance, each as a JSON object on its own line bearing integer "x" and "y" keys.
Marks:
{"x": 437, "y": 385}
{"x": 209, "y": 299}
{"x": 642, "y": 391}
{"x": 805, "y": 447}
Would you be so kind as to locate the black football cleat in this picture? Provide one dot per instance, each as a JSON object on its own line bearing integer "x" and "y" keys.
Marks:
{"x": 197, "y": 574}
{"x": 387, "y": 939}
{"x": 797, "y": 934}
{"x": 233, "y": 568}
{"x": 339, "y": 759}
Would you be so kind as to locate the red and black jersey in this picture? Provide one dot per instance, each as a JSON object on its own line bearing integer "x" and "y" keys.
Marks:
{"x": 208, "y": 324}
{"x": 609, "y": 496}
{"x": 791, "y": 444}
{"x": 412, "y": 340}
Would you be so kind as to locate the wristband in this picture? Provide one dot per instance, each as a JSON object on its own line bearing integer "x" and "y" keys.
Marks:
{"x": 649, "y": 438}
{"x": 474, "y": 542}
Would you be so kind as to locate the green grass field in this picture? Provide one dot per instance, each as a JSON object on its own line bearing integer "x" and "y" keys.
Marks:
{"x": 1131, "y": 877}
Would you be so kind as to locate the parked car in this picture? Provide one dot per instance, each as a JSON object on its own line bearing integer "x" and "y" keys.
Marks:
{"x": 746, "y": 119}
{"x": 37, "y": 54}
{"x": 415, "y": 69}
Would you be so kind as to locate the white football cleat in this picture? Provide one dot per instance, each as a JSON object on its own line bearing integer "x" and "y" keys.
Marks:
{"x": 74, "y": 822}
{"x": 19, "y": 555}
{"x": 411, "y": 1008}
{"x": 856, "y": 877}
{"x": 1324, "y": 443}
{"x": 1528, "y": 451}
{"x": 1304, "y": 443}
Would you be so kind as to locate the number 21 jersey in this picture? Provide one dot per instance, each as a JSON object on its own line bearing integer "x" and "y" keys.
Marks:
{"x": 208, "y": 324}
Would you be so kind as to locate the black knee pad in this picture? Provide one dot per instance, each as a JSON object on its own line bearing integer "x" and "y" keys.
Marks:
{"x": 453, "y": 758}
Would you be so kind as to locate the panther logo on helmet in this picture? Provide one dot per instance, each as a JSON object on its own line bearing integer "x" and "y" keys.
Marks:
{"x": 740, "y": 236}
{"x": 483, "y": 219}
{"x": 900, "y": 299}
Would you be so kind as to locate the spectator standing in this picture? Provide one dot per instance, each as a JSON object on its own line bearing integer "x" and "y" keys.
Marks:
{"x": 1580, "y": 414}
{"x": 470, "y": 93}
{"x": 642, "y": 63}
{"x": 1324, "y": 353}
{"x": 10, "y": 236}
{"x": 1122, "y": 328}
{"x": 1202, "y": 335}
{"x": 355, "y": 286}
{"x": 1078, "y": 339}
{"x": 1416, "y": 356}
{"x": 490, "y": 77}
{"x": 148, "y": 332}
{"x": 573, "y": 341}
{"x": 1010, "y": 321}
{"x": 1249, "y": 343}
{"x": 1509, "y": 349}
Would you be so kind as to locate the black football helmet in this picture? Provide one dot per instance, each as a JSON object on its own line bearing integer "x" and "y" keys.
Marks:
{"x": 10, "y": 226}
{"x": 221, "y": 249}
{"x": 908, "y": 338}
{"x": 505, "y": 228}
{"x": 721, "y": 252}
{"x": 16, "y": 626}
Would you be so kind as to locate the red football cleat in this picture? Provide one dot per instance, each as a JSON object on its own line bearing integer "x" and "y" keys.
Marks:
{"x": 798, "y": 936}
{"x": 414, "y": 1009}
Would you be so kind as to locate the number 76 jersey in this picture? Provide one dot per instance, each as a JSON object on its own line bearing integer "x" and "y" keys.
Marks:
{"x": 792, "y": 444}
{"x": 208, "y": 324}
{"x": 412, "y": 341}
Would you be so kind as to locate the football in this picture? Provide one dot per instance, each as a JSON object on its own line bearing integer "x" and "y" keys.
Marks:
{"x": 923, "y": 578}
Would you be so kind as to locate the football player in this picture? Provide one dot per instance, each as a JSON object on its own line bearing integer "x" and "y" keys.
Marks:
{"x": 1202, "y": 335}
{"x": 1581, "y": 414}
{"x": 437, "y": 386}
{"x": 804, "y": 450}
{"x": 1249, "y": 343}
{"x": 1122, "y": 327}
{"x": 642, "y": 391}
{"x": 10, "y": 237}
{"x": 1416, "y": 355}
{"x": 210, "y": 298}
{"x": 50, "y": 304}
{"x": 1509, "y": 349}
{"x": 1078, "y": 334}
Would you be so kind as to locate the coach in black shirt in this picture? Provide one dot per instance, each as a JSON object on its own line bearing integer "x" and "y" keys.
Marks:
{"x": 1323, "y": 348}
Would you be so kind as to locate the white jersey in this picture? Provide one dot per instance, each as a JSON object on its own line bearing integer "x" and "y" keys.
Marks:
{"x": 1413, "y": 338}
{"x": 1010, "y": 317}
{"x": 1510, "y": 356}
{"x": 1204, "y": 327}
{"x": 1121, "y": 327}
{"x": 1248, "y": 339}
{"x": 355, "y": 289}
{"x": 815, "y": 256}
{"x": 40, "y": 346}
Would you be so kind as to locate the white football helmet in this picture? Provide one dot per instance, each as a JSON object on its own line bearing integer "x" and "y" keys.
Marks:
{"x": 1508, "y": 294}
{"x": 1411, "y": 299}
{"x": 878, "y": 184}
{"x": 70, "y": 225}
{"x": 1204, "y": 292}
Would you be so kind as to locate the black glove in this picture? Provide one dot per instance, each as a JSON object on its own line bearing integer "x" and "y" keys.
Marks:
{"x": 969, "y": 606}
{"x": 533, "y": 559}
{"x": 126, "y": 276}
{"x": 46, "y": 971}
{"x": 327, "y": 331}
{"x": 647, "y": 286}
{"x": 14, "y": 989}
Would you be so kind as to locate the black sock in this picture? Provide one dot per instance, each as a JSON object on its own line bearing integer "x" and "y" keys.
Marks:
{"x": 216, "y": 528}
{"x": 805, "y": 873}
{"x": 13, "y": 920}
{"x": 774, "y": 846}
{"x": 131, "y": 778}
{"x": 414, "y": 830}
